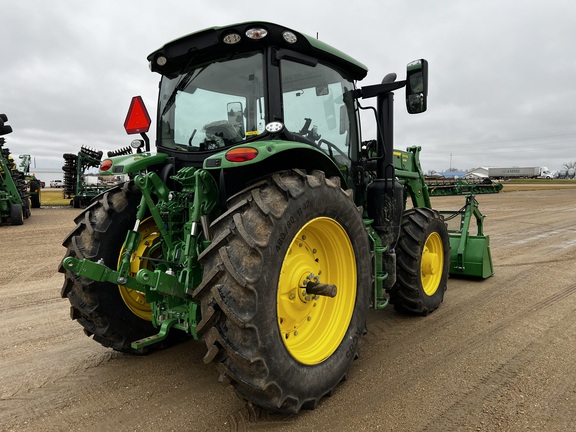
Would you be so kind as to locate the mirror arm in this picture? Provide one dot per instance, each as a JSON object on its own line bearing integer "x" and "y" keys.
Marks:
{"x": 377, "y": 89}
{"x": 146, "y": 141}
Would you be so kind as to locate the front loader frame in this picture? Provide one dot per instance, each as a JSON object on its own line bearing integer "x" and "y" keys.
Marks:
{"x": 469, "y": 254}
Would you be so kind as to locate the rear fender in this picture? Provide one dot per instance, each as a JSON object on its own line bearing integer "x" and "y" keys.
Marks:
{"x": 133, "y": 163}
{"x": 273, "y": 156}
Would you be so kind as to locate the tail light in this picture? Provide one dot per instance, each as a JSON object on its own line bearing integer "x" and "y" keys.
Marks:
{"x": 241, "y": 154}
{"x": 105, "y": 165}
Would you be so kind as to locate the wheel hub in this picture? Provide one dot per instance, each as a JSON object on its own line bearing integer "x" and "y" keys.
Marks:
{"x": 136, "y": 300}
{"x": 432, "y": 263}
{"x": 312, "y": 326}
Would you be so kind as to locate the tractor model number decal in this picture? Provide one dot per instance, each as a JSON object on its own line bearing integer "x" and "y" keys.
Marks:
{"x": 289, "y": 223}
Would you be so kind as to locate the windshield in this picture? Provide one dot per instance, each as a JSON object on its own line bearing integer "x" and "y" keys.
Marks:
{"x": 315, "y": 109}
{"x": 211, "y": 106}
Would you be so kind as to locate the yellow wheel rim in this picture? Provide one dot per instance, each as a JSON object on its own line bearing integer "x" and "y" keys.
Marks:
{"x": 312, "y": 327}
{"x": 148, "y": 247}
{"x": 432, "y": 263}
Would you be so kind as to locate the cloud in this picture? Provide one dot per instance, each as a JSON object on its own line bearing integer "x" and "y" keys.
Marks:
{"x": 501, "y": 72}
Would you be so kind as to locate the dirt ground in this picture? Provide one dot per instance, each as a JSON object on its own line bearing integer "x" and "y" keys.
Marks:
{"x": 498, "y": 355}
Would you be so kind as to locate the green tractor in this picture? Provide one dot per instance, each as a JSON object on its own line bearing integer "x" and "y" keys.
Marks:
{"x": 263, "y": 225}
{"x": 14, "y": 196}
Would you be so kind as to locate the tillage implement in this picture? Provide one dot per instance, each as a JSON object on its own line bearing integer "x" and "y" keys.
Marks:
{"x": 15, "y": 201}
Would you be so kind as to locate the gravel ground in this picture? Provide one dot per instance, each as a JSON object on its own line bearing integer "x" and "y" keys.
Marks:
{"x": 498, "y": 355}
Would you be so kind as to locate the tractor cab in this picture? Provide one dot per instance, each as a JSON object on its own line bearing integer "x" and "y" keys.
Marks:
{"x": 233, "y": 97}
{"x": 250, "y": 87}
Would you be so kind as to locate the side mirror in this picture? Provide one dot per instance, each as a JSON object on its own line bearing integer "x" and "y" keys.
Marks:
{"x": 417, "y": 86}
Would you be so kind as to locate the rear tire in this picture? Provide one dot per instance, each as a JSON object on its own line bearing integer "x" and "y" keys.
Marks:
{"x": 282, "y": 349}
{"x": 17, "y": 214}
{"x": 27, "y": 206}
{"x": 99, "y": 306}
{"x": 423, "y": 262}
{"x": 35, "y": 193}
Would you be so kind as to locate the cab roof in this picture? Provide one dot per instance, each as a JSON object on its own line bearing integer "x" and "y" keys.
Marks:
{"x": 214, "y": 42}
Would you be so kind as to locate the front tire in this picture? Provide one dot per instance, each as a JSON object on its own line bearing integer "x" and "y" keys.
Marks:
{"x": 423, "y": 262}
{"x": 280, "y": 347}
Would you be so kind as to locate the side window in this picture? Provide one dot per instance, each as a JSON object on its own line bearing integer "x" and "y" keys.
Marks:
{"x": 314, "y": 107}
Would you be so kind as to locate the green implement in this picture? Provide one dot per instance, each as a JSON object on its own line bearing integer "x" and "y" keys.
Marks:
{"x": 445, "y": 187}
{"x": 469, "y": 254}
{"x": 14, "y": 196}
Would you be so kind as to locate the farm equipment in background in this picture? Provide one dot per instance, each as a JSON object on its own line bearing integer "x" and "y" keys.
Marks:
{"x": 14, "y": 197}
{"x": 447, "y": 187}
{"x": 263, "y": 225}
{"x": 35, "y": 188}
{"x": 24, "y": 165}
{"x": 76, "y": 187}
{"x": 469, "y": 253}
{"x": 79, "y": 187}
{"x": 34, "y": 185}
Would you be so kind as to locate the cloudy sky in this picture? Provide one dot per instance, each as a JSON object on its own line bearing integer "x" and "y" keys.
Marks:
{"x": 502, "y": 72}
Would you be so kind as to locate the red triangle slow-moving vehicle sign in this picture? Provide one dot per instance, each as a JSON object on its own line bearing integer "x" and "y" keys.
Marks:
{"x": 137, "y": 119}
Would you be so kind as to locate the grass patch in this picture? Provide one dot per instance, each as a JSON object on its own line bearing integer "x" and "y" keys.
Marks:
{"x": 53, "y": 197}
